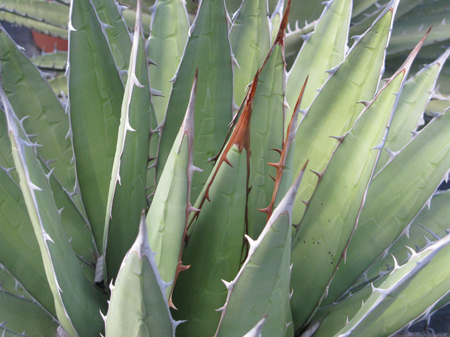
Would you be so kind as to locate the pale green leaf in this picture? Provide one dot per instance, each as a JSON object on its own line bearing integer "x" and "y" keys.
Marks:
{"x": 395, "y": 197}
{"x": 127, "y": 190}
{"x": 323, "y": 50}
{"x": 72, "y": 292}
{"x": 167, "y": 218}
{"x": 95, "y": 100}
{"x": 144, "y": 311}
{"x": 169, "y": 32}
{"x": 336, "y": 107}
{"x": 208, "y": 50}
{"x": 320, "y": 244}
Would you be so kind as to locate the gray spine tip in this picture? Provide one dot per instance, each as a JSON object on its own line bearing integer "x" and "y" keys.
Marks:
{"x": 332, "y": 71}
{"x": 303, "y": 111}
{"x": 378, "y": 147}
{"x": 436, "y": 114}
{"x": 365, "y": 103}
{"x": 338, "y": 138}
{"x": 357, "y": 37}
{"x": 306, "y": 37}
{"x": 150, "y": 62}
{"x": 155, "y": 92}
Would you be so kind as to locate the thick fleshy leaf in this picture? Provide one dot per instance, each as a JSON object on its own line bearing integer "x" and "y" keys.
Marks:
{"x": 34, "y": 101}
{"x": 208, "y": 50}
{"x": 430, "y": 225}
{"x": 215, "y": 247}
{"x": 19, "y": 312}
{"x": 362, "y": 21}
{"x": 95, "y": 100}
{"x": 331, "y": 216}
{"x": 167, "y": 41}
{"x": 153, "y": 155}
{"x": 330, "y": 319}
{"x": 365, "y": 11}
{"x": 266, "y": 136}
{"x": 55, "y": 61}
{"x": 215, "y": 244}
{"x": 438, "y": 105}
{"x": 143, "y": 311}
{"x": 53, "y": 12}
{"x": 322, "y": 50}
{"x": 365, "y": 7}
{"x": 168, "y": 216}
{"x": 336, "y": 107}
{"x": 284, "y": 167}
{"x": 109, "y": 13}
{"x": 262, "y": 285}
{"x": 395, "y": 300}
{"x": 416, "y": 285}
{"x": 6, "y": 158}
{"x": 12, "y": 285}
{"x": 44, "y": 16}
{"x": 76, "y": 300}
{"x": 294, "y": 40}
{"x": 20, "y": 250}
{"x": 412, "y": 103}
{"x": 427, "y": 227}
{"x": 396, "y": 196}
{"x": 250, "y": 43}
{"x": 225, "y": 202}
{"x": 218, "y": 188}
{"x": 39, "y": 26}
{"x": 51, "y": 18}
{"x": 169, "y": 32}
{"x": 410, "y": 27}
{"x": 127, "y": 190}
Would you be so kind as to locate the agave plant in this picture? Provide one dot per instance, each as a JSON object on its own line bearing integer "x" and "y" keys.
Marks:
{"x": 190, "y": 184}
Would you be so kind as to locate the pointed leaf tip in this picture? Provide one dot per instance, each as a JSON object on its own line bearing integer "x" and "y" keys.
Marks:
{"x": 289, "y": 198}
{"x": 284, "y": 22}
{"x": 410, "y": 59}
{"x": 300, "y": 96}
{"x": 141, "y": 246}
{"x": 138, "y": 23}
{"x": 256, "y": 331}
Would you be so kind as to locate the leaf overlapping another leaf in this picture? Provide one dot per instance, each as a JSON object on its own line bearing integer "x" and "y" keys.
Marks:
{"x": 228, "y": 263}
